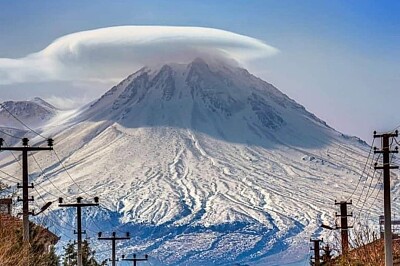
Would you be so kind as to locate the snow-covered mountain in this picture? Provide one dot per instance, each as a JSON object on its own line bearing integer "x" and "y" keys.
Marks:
{"x": 204, "y": 163}
{"x": 35, "y": 113}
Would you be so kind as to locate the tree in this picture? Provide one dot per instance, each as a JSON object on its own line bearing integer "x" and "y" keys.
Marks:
{"x": 69, "y": 257}
{"x": 50, "y": 259}
{"x": 88, "y": 255}
{"x": 327, "y": 255}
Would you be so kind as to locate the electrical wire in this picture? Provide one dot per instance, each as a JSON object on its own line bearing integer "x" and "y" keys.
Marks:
{"x": 22, "y": 123}
{"x": 374, "y": 189}
{"x": 19, "y": 179}
{"x": 42, "y": 172}
{"x": 8, "y": 134}
{"x": 65, "y": 169}
{"x": 362, "y": 173}
{"x": 365, "y": 182}
{"x": 10, "y": 176}
{"x": 48, "y": 179}
{"x": 368, "y": 211}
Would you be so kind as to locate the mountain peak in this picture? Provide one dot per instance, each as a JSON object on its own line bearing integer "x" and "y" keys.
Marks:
{"x": 34, "y": 112}
{"x": 211, "y": 96}
{"x": 43, "y": 103}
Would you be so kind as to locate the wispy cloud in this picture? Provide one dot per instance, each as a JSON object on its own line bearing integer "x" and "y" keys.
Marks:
{"x": 65, "y": 103}
{"x": 112, "y": 53}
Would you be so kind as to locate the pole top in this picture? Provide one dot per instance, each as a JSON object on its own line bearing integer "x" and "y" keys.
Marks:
{"x": 25, "y": 141}
{"x": 50, "y": 142}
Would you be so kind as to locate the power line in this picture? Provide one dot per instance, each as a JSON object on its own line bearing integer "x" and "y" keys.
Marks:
{"x": 377, "y": 193}
{"x": 8, "y": 134}
{"x": 365, "y": 167}
{"x": 18, "y": 178}
{"x": 22, "y": 123}
{"x": 376, "y": 184}
{"x": 10, "y": 176}
{"x": 65, "y": 169}
{"x": 365, "y": 182}
{"x": 48, "y": 179}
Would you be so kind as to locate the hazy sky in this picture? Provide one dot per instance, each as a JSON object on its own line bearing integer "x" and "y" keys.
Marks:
{"x": 340, "y": 59}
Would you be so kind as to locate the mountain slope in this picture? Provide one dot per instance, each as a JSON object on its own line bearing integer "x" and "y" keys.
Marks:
{"x": 204, "y": 163}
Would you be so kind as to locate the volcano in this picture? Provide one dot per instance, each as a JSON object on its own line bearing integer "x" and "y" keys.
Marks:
{"x": 204, "y": 163}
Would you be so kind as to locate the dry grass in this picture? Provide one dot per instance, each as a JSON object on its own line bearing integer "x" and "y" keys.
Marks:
{"x": 366, "y": 249}
{"x": 12, "y": 250}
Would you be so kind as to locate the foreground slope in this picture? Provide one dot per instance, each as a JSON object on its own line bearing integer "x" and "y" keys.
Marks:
{"x": 204, "y": 163}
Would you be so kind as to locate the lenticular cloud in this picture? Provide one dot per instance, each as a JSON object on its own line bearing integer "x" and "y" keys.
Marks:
{"x": 112, "y": 53}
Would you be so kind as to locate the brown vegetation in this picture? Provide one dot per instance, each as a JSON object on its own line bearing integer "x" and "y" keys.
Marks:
{"x": 366, "y": 249}
{"x": 14, "y": 253}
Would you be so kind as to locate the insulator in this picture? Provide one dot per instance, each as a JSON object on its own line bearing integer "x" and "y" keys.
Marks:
{"x": 25, "y": 141}
{"x": 50, "y": 142}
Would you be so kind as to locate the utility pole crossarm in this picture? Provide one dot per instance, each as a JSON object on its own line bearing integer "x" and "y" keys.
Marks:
{"x": 384, "y": 167}
{"x": 113, "y": 240}
{"x": 78, "y": 204}
{"x": 26, "y": 148}
{"x": 134, "y": 259}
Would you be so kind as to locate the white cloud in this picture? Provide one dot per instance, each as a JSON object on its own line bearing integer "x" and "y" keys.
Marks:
{"x": 65, "y": 103}
{"x": 115, "y": 52}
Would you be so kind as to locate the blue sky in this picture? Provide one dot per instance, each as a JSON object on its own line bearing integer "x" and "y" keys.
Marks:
{"x": 337, "y": 58}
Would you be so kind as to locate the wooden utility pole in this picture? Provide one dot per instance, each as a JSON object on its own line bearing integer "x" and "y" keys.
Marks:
{"x": 344, "y": 227}
{"x": 25, "y": 180}
{"x": 113, "y": 240}
{"x": 316, "y": 248}
{"x": 79, "y": 205}
{"x": 386, "y": 191}
{"x": 135, "y": 260}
